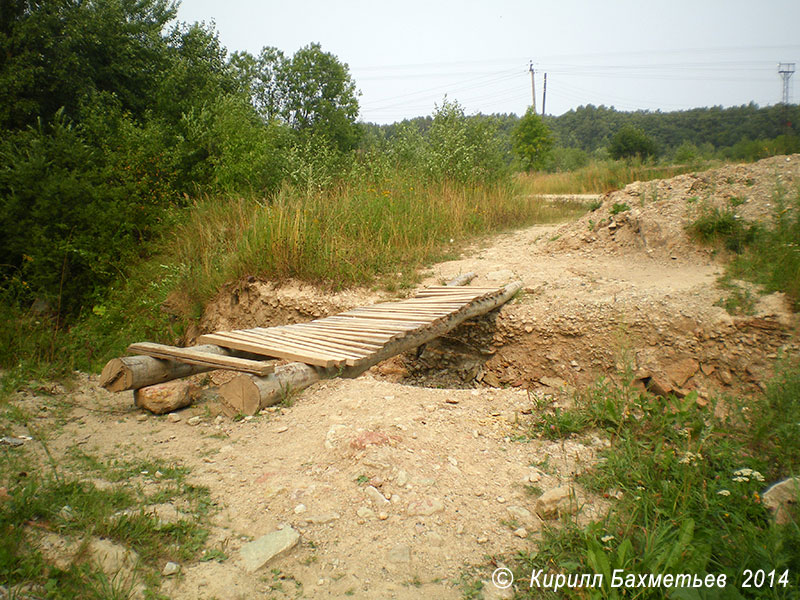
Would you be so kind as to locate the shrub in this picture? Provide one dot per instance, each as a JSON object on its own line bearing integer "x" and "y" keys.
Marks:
{"x": 630, "y": 142}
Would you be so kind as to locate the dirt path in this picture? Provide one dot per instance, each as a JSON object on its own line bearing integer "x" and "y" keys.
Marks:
{"x": 396, "y": 487}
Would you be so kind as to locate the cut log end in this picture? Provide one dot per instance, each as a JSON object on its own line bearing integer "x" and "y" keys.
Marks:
{"x": 115, "y": 376}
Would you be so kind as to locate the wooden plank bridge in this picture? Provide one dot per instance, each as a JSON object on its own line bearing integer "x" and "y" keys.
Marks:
{"x": 352, "y": 337}
{"x": 345, "y": 344}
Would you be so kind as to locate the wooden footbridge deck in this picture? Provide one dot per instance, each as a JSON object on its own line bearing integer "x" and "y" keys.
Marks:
{"x": 346, "y": 344}
{"x": 347, "y": 339}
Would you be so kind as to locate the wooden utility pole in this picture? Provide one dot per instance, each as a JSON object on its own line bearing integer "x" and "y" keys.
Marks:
{"x": 533, "y": 87}
{"x": 544, "y": 93}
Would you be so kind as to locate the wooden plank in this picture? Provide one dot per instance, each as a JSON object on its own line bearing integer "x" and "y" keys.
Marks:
{"x": 346, "y": 339}
{"x": 285, "y": 340}
{"x": 359, "y": 330}
{"x": 195, "y": 357}
{"x": 361, "y": 336}
{"x": 365, "y": 314}
{"x": 319, "y": 360}
{"x": 385, "y": 325}
{"x": 321, "y": 341}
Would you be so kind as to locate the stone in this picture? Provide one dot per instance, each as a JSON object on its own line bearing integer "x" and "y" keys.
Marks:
{"x": 521, "y": 532}
{"x": 532, "y": 476}
{"x": 659, "y": 386}
{"x": 780, "y": 496}
{"x": 681, "y": 371}
{"x": 171, "y": 568}
{"x": 165, "y": 397}
{"x": 365, "y": 512}
{"x": 112, "y": 558}
{"x": 399, "y": 554}
{"x": 725, "y": 376}
{"x": 323, "y": 518}
{"x": 553, "y": 382}
{"x": 300, "y": 509}
{"x": 196, "y": 420}
{"x": 281, "y": 429}
{"x": 142, "y": 417}
{"x": 375, "y": 495}
{"x": 402, "y": 478}
{"x": 520, "y": 513}
{"x": 258, "y": 553}
{"x": 556, "y": 502}
{"x": 173, "y": 418}
{"x": 383, "y": 515}
{"x": 491, "y": 592}
{"x": 425, "y": 506}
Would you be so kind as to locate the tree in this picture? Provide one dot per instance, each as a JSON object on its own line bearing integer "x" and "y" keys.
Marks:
{"x": 320, "y": 96}
{"x": 630, "y": 142}
{"x": 532, "y": 141}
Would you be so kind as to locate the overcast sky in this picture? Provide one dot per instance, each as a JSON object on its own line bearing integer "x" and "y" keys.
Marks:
{"x": 640, "y": 54}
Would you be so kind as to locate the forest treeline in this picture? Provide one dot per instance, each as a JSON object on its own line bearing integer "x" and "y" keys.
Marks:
{"x": 115, "y": 118}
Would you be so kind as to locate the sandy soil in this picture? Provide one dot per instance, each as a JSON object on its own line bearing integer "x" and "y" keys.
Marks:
{"x": 401, "y": 479}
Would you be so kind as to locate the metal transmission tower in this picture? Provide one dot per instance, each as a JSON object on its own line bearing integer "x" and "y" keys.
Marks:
{"x": 786, "y": 70}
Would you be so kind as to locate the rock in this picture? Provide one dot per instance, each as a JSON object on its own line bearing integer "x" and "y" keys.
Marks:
{"x": 681, "y": 371}
{"x": 165, "y": 397}
{"x": 520, "y": 513}
{"x": 491, "y": 592}
{"x": 425, "y": 506}
{"x": 299, "y": 509}
{"x": 323, "y": 518}
{"x": 173, "y": 417}
{"x": 521, "y": 532}
{"x": 780, "y": 496}
{"x": 259, "y": 552}
{"x": 402, "y": 478}
{"x": 282, "y": 429}
{"x": 375, "y": 495}
{"x": 196, "y": 420}
{"x": 556, "y": 502}
{"x": 532, "y": 476}
{"x": 365, "y": 512}
{"x": 552, "y": 382}
{"x": 659, "y": 386}
{"x": 141, "y": 417}
{"x": 383, "y": 515}
{"x": 335, "y": 435}
{"x": 171, "y": 568}
{"x": 725, "y": 376}
{"x": 112, "y": 558}
{"x": 399, "y": 554}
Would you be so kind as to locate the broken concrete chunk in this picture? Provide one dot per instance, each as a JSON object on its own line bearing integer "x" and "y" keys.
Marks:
{"x": 257, "y": 553}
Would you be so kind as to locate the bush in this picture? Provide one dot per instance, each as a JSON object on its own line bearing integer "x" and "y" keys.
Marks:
{"x": 630, "y": 142}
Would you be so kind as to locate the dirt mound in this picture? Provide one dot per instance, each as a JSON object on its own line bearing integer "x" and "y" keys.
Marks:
{"x": 652, "y": 216}
{"x": 630, "y": 289}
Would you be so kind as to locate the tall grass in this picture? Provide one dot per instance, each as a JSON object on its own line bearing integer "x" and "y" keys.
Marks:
{"x": 351, "y": 235}
{"x": 599, "y": 177}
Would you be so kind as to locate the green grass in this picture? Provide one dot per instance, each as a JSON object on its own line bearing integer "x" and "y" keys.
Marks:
{"x": 57, "y": 498}
{"x": 768, "y": 255}
{"x": 355, "y": 233}
{"x": 684, "y": 508}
